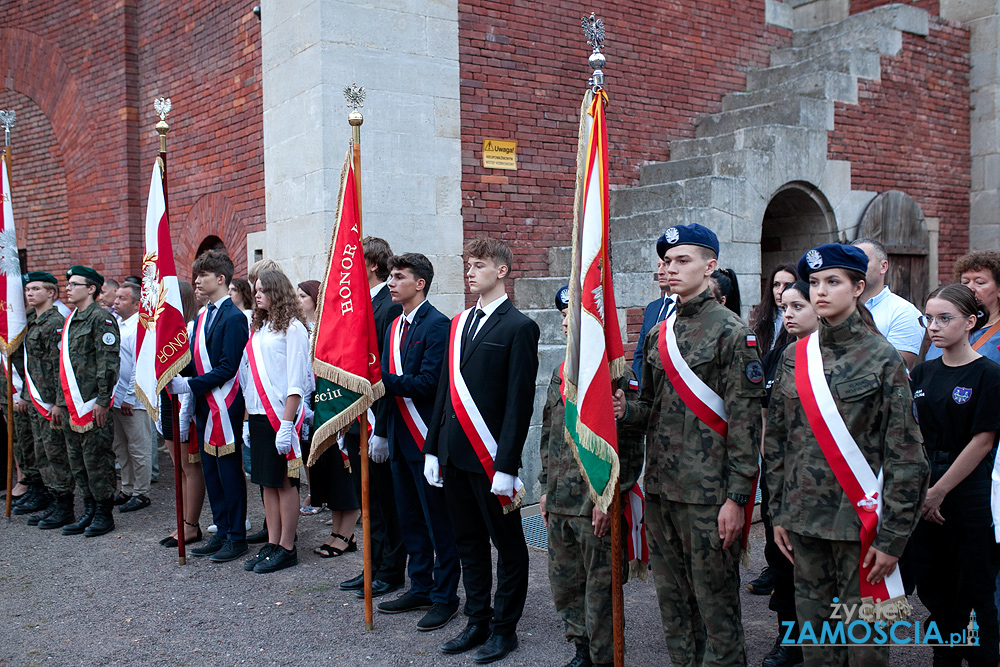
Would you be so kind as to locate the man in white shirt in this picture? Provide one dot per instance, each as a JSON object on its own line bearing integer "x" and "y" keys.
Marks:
{"x": 896, "y": 318}
{"x": 132, "y": 427}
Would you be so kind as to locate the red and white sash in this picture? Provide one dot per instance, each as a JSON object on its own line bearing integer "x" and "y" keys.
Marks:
{"x": 414, "y": 422}
{"x": 273, "y": 401}
{"x": 468, "y": 414}
{"x": 44, "y": 409}
{"x": 219, "y": 437}
{"x": 81, "y": 412}
{"x": 862, "y": 486}
{"x": 696, "y": 395}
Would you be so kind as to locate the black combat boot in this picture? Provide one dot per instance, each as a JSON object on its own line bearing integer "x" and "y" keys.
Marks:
{"x": 582, "y": 657}
{"x": 35, "y": 518}
{"x": 89, "y": 508}
{"x": 104, "y": 520}
{"x": 39, "y": 500}
{"x": 61, "y": 515}
{"x": 784, "y": 655}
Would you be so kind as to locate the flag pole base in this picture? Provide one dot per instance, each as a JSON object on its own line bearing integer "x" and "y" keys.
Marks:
{"x": 182, "y": 561}
{"x": 369, "y": 626}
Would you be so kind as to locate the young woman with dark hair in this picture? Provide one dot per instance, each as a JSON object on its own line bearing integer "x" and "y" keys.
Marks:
{"x": 767, "y": 324}
{"x": 726, "y": 290}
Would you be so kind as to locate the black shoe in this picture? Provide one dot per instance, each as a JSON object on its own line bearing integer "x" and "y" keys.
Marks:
{"x": 61, "y": 515}
{"x": 379, "y": 588}
{"x": 40, "y": 499}
{"x": 104, "y": 520}
{"x": 259, "y": 537}
{"x": 231, "y": 550}
{"x": 261, "y": 555}
{"x": 214, "y": 545}
{"x": 782, "y": 655}
{"x": 764, "y": 584}
{"x": 582, "y": 657}
{"x": 405, "y": 602}
{"x": 37, "y": 517}
{"x": 355, "y": 584}
{"x": 495, "y": 648}
{"x": 471, "y": 637}
{"x": 278, "y": 559}
{"x": 438, "y": 617}
{"x": 135, "y": 503}
{"x": 77, "y": 528}
{"x": 121, "y": 498}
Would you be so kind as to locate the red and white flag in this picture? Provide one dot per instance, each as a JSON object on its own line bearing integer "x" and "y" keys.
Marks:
{"x": 12, "y": 318}
{"x": 162, "y": 347}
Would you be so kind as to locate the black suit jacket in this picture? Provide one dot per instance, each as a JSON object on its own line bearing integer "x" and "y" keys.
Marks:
{"x": 385, "y": 312}
{"x": 499, "y": 367}
{"x": 422, "y": 354}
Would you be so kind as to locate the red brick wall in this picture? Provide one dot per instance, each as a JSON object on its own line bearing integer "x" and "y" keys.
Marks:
{"x": 858, "y": 6}
{"x": 523, "y": 76}
{"x": 920, "y": 142}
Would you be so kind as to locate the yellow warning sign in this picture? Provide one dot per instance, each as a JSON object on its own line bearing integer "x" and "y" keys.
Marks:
{"x": 499, "y": 154}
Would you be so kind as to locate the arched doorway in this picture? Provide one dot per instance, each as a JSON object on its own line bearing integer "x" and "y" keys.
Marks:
{"x": 797, "y": 218}
{"x": 210, "y": 242}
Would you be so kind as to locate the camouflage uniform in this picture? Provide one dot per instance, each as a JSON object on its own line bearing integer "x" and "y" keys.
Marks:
{"x": 690, "y": 471}
{"x": 93, "y": 341}
{"x": 32, "y": 467}
{"x": 41, "y": 341}
{"x": 579, "y": 562}
{"x": 869, "y": 383}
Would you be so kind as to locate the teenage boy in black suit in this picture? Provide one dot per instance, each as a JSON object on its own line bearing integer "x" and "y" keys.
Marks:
{"x": 221, "y": 334}
{"x": 388, "y": 552}
{"x": 414, "y": 351}
{"x": 484, "y": 403}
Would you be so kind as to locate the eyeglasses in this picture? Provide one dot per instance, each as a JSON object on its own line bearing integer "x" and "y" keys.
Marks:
{"x": 943, "y": 320}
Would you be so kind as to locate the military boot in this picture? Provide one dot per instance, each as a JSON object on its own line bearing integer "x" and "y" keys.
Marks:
{"x": 582, "y": 657}
{"x": 37, "y": 517}
{"x": 104, "y": 520}
{"x": 89, "y": 508}
{"x": 39, "y": 500}
{"x": 62, "y": 513}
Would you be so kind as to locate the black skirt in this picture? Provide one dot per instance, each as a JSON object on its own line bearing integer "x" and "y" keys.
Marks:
{"x": 267, "y": 467}
{"x": 166, "y": 421}
{"x": 330, "y": 483}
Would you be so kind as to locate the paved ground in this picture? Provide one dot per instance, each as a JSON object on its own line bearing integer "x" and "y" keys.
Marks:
{"x": 122, "y": 599}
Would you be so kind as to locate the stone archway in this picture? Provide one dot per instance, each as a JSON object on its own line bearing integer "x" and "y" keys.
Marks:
{"x": 798, "y": 217}
{"x": 210, "y": 222}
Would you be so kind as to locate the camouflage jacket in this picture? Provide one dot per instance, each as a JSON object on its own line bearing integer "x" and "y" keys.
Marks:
{"x": 687, "y": 461}
{"x": 41, "y": 340}
{"x": 17, "y": 359}
{"x": 868, "y": 380}
{"x": 93, "y": 340}
{"x": 566, "y": 490}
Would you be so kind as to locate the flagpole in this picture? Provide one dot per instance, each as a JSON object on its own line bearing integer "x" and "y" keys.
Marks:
{"x": 162, "y": 107}
{"x": 7, "y": 119}
{"x": 355, "y": 96}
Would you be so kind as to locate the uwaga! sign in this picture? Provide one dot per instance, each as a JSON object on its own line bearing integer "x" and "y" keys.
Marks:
{"x": 499, "y": 154}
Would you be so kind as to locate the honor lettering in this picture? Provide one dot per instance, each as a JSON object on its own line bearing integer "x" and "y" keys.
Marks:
{"x": 346, "y": 264}
{"x": 173, "y": 347}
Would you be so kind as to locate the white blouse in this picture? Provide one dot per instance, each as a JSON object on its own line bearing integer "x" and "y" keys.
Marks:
{"x": 286, "y": 358}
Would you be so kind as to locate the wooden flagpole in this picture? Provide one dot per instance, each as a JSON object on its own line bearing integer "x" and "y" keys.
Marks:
{"x": 8, "y": 122}
{"x": 354, "y": 97}
{"x": 162, "y": 106}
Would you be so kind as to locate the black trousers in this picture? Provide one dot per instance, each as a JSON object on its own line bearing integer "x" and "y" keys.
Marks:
{"x": 477, "y": 518}
{"x": 388, "y": 550}
{"x": 227, "y": 490}
{"x": 782, "y": 600}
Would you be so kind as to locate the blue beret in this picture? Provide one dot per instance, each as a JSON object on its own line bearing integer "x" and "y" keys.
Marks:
{"x": 39, "y": 276}
{"x": 833, "y": 256}
{"x": 86, "y": 272}
{"x": 693, "y": 234}
{"x": 562, "y": 297}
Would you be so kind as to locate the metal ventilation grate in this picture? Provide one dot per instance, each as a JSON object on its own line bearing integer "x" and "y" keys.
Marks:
{"x": 535, "y": 533}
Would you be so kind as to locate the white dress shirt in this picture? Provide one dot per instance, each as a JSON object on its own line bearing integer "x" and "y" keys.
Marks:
{"x": 487, "y": 312}
{"x": 897, "y": 319}
{"x": 125, "y": 389}
{"x": 286, "y": 358}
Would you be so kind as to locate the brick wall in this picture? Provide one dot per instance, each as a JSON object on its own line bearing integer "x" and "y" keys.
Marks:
{"x": 858, "y": 6}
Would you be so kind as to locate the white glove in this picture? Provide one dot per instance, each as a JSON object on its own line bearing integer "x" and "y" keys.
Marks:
{"x": 503, "y": 484}
{"x": 246, "y": 435}
{"x": 432, "y": 471}
{"x": 378, "y": 449}
{"x": 179, "y": 385}
{"x": 308, "y": 419}
{"x": 283, "y": 440}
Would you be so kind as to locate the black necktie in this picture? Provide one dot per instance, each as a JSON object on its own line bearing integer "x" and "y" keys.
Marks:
{"x": 475, "y": 324}
{"x": 209, "y": 315}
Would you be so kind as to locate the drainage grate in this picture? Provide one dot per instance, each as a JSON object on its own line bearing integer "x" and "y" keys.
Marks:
{"x": 535, "y": 533}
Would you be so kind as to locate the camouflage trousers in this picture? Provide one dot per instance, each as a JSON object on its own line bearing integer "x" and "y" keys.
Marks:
{"x": 92, "y": 459}
{"x": 697, "y": 583}
{"x": 824, "y": 570}
{"x": 580, "y": 575}
{"x": 24, "y": 447}
{"x": 50, "y": 447}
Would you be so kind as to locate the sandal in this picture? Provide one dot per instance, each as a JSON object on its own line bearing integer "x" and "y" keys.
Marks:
{"x": 329, "y": 551}
{"x": 170, "y": 541}
{"x": 309, "y": 510}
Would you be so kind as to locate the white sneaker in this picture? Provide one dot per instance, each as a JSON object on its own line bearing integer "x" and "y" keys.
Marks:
{"x": 248, "y": 524}
{"x": 213, "y": 528}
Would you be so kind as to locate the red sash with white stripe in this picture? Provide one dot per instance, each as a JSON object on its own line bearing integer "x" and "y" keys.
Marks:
{"x": 414, "y": 422}
{"x": 468, "y": 414}
{"x": 855, "y": 476}
{"x": 696, "y": 395}
{"x": 219, "y": 435}
{"x": 273, "y": 402}
{"x": 81, "y": 412}
{"x": 44, "y": 409}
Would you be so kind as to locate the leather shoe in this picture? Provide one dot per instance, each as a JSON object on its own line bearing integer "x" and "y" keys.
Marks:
{"x": 783, "y": 655}
{"x": 379, "y": 588}
{"x": 495, "y": 648}
{"x": 764, "y": 584}
{"x": 214, "y": 545}
{"x": 438, "y": 616}
{"x": 258, "y": 537}
{"x": 231, "y": 550}
{"x": 582, "y": 657}
{"x": 405, "y": 602}
{"x": 354, "y": 584}
{"x": 471, "y": 637}
{"x": 135, "y": 503}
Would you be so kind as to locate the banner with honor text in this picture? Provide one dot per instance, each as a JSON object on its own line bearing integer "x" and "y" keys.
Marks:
{"x": 162, "y": 347}
{"x": 345, "y": 348}
{"x": 594, "y": 352}
{"x": 12, "y": 315}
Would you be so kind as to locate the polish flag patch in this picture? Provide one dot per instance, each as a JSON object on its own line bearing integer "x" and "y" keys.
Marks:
{"x": 751, "y": 340}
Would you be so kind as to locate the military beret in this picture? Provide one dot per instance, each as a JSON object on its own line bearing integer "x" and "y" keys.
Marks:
{"x": 693, "y": 234}
{"x": 86, "y": 272}
{"x": 39, "y": 276}
{"x": 562, "y": 297}
{"x": 833, "y": 256}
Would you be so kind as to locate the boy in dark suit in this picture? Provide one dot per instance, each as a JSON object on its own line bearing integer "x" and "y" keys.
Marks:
{"x": 656, "y": 311}
{"x": 414, "y": 351}
{"x": 480, "y": 421}
{"x": 221, "y": 334}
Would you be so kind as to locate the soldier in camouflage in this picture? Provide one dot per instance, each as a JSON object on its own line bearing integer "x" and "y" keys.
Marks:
{"x": 698, "y": 479}
{"x": 815, "y": 524}
{"x": 41, "y": 344}
{"x": 92, "y": 341}
{"x": 579, "y": 541}
{"x": 38, "y": 498}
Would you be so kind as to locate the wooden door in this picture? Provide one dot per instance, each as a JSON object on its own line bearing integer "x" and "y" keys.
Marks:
{"x": 894, "y": 219}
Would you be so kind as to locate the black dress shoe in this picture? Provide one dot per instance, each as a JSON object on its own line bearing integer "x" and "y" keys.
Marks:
{"x": 259, "y": 537}
{"x": 764, "y": 584}
{"x": 438, "y": 617}
{"x": 783, "y": 655}
{"x": 231, "y": 550}
{"x": 354, "y": 584}
{"x": 379, "y": 588}
{"x": 405, "y": 602}
{"x": 135, "y": 503}
{"x": 213, "y": 546}
{"x": 471, "y": 637}
{"x": 495, "y": 648}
